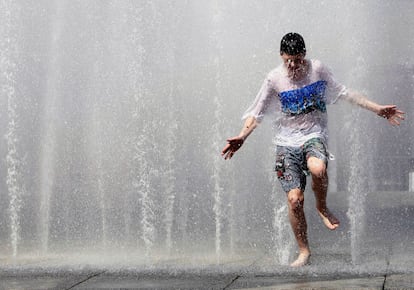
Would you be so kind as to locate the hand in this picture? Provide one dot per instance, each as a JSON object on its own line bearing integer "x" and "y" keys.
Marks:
{"x": 233, "y": 144}
{"x": 392, "y": 114}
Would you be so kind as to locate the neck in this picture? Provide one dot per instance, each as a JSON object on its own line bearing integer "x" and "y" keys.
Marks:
{"x": 300, "y": 73}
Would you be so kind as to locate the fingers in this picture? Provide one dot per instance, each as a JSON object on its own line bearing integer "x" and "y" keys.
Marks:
{"x": 393, "y": 122}
{"x": 392, "y": 114}
{"x": 225, "y": 149}
{"x": 227, "y": 152}
{"x": 392, "y": 110}
{"x": 228, "y": 155}
{"x": 395, "y": 119}
{"x": 233, "y": 145}
{"x": 400, "y": 112}
{"x": 400, "y": 115}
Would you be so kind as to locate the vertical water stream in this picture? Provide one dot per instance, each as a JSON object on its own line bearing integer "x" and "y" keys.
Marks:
{"x": 9, "y": 52}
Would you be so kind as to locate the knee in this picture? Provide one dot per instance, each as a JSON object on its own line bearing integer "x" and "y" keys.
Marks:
{"x": 319, "y": 172}
{"x": 295, "y": 198}
{"x": 319, "y": 177}
{"x": 317, "y": 168}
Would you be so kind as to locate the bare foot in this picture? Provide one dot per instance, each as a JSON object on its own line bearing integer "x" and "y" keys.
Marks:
{"x": 329, "y": 219}
{"x": 302, "y": 260}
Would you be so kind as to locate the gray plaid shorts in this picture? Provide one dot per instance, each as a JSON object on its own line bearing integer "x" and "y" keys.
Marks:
{"x": 291, "y": 163}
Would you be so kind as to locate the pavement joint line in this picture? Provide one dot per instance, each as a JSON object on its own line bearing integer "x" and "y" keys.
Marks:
{"x": 232, "y": 281}
{"x": 384, "y": 282}
{"x": 86, "y": 279}
{"x": 239, "y": 275}
{"x": 387, "y": 268}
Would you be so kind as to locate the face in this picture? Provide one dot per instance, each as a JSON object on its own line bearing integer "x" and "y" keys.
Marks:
{"x": 296, "y": 65}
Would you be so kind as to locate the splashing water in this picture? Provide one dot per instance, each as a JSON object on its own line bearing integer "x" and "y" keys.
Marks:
{"x": 13, "y": 174}
{"x": 120, "y": 109}
{"x": 282, "y": 245}
{"x": 8, "y": 55}
{"x": 218, "y": 190}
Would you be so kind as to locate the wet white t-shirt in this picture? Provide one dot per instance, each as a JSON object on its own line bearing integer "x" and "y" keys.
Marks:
{"x": 299, "y": 107}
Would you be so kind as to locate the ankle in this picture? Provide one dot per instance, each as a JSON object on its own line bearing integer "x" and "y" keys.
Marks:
{"x": 304, "y": 252}
{"x": 322, "y": 209}
{"x": 301, "y": 260}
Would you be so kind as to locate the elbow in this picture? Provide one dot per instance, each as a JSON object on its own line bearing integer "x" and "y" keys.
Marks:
{"x": 253, "y": 123}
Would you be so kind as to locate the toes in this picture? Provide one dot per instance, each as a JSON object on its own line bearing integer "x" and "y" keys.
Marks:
{"x": 329, "y": 220}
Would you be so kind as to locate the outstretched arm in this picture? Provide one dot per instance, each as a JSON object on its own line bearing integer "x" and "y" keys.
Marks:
{"x": 234, "y": 143}
{"x": 389, "y": 112}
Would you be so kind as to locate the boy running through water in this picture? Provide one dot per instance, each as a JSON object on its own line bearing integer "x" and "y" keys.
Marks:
{"x": 299, "y": 90}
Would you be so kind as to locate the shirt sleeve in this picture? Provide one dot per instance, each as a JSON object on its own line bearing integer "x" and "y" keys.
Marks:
{"x": 262, "y": 101}
{"x": 335, "y": 90}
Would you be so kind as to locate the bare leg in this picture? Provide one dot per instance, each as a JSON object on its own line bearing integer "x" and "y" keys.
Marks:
{"x": 299, "y": 226}
{"x": 320, "y": 187}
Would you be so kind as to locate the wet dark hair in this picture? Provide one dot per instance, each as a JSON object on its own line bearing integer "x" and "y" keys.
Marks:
{"x": 292, "y": 44}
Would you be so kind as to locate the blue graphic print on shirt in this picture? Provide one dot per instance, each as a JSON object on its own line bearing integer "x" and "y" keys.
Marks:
{"x": 304, "y": 100}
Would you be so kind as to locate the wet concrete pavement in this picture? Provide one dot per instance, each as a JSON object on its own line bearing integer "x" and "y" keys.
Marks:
{"x": 387, "y": 262}
{"x": 326, "y": 272}
{"x": 101, "y": 280}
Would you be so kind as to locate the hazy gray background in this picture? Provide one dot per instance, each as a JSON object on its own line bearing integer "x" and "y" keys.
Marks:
{"x": 113, "y": 115}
